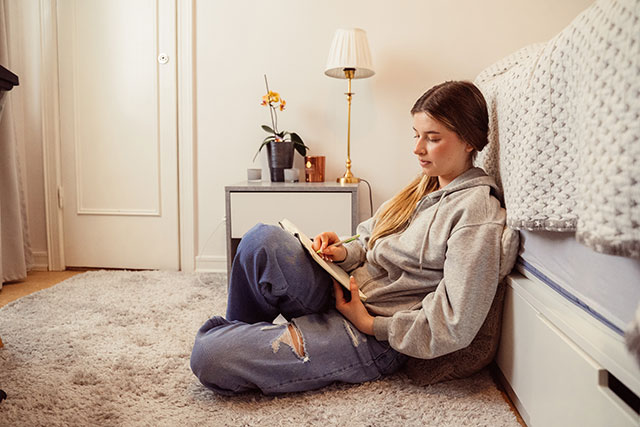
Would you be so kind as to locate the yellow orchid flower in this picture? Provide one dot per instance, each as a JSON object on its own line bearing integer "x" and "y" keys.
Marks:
{"x": 271, "y": 98}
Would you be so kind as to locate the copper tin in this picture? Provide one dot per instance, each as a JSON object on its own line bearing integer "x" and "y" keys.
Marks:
{"x": 314, "y": 168}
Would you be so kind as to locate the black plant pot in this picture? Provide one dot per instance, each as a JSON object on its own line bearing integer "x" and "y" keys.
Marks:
{"x": 280, "y": 155}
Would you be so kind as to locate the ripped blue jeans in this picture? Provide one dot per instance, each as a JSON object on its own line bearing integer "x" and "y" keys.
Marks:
{"x": 271, "y": 275}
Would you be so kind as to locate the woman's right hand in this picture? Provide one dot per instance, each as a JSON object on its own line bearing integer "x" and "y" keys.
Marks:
{"x": 333, "y": 253}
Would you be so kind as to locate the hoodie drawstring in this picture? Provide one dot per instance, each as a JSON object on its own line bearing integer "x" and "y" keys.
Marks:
{"x": 426, "y": 235}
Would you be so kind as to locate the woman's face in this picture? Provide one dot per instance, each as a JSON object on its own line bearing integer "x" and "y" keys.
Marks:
{"x": 440, "y": 151}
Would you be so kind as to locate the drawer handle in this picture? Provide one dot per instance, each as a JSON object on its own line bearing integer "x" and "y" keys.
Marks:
{"x": 626, "y": 395}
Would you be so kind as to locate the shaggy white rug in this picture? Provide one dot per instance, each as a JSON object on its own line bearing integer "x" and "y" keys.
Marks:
{"x": 112, "y": 349}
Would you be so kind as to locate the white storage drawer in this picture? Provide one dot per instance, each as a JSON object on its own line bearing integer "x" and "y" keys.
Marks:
{"x": 552, "y": 380}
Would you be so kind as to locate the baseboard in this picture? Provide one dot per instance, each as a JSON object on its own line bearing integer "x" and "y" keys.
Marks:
{"x": 211, "y": 264}
{"x": 204, "y": 263}
{"x": 40, "y": 261}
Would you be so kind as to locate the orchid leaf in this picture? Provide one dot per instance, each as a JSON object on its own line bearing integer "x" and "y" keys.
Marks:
{"x": 267, "y": 129}
{"x": 299, "y": 144}
{"x": 296, "y": 138}
{"x": 265, "y": 142}
{"x": 302, "y": 149}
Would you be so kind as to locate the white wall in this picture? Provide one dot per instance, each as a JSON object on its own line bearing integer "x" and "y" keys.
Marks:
{"x": 414, "y": 45}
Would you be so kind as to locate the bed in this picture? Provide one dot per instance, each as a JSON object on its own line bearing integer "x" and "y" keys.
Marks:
{"x": 565, "y": 149}
{"x": 604, "y": 286}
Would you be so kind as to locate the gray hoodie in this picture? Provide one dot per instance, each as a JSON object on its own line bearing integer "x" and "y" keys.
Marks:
{"x": 430, "y": 286}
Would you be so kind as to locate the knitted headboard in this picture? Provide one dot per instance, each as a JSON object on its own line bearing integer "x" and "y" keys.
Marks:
{"x": 565, "y": 130}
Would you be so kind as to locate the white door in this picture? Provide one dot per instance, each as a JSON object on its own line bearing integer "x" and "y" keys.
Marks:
{"x": 118, "y": 127}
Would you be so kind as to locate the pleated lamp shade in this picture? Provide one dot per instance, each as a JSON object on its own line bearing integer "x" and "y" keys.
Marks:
{"x": 349, "y": 49}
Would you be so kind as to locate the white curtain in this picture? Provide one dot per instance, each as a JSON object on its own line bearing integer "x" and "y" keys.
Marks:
{"x": 15, "y": 249}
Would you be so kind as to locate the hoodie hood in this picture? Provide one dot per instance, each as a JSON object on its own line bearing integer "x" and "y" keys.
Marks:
{"x": 473, "y": 177}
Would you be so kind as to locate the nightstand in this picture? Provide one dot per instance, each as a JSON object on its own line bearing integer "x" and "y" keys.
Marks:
{"x": 313, "y": 206}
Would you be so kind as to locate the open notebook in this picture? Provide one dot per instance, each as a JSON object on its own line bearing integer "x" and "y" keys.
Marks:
{"x": 335, "y": 271}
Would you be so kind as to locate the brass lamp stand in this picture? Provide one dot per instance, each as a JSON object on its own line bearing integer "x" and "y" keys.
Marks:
{"x": 348, "y": 177}
{"x": 349, "y": 58}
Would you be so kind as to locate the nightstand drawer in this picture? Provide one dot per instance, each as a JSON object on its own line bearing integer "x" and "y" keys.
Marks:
{"x": 311, "y": 212}
{"x": 312, "y": 206}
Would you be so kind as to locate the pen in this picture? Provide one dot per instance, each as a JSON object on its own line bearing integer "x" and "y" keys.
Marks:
{"x": 341, "y": 242}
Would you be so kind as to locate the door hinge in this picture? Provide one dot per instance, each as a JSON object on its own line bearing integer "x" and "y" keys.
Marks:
{"x": 60, "y": 198}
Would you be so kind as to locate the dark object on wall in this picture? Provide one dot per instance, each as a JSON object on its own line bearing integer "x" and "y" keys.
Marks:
{"x": 7, "y": 79}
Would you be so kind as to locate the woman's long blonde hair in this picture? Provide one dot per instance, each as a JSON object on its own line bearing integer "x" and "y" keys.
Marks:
{"x": 458, "y": 105}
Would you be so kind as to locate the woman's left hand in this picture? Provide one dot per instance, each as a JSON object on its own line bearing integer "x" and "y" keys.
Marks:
{"x": 353, "y": 310}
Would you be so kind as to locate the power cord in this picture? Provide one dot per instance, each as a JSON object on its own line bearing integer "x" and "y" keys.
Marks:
{"x": 222, "y": 221}
{"x": 370, "y": 197}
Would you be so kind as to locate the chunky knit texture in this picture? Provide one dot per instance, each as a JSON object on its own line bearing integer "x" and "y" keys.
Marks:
{"x": 565, "y": 130}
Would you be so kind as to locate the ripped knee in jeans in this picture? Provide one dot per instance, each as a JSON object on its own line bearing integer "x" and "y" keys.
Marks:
{"x": 292, "y": 337}
{"x": 298, "y": 344}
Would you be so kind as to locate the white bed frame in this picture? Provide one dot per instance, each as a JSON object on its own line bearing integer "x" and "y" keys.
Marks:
{"x": 556, "y": 362}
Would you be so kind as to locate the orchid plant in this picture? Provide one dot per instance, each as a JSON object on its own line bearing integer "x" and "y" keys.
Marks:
{"x": 275, "y": 102}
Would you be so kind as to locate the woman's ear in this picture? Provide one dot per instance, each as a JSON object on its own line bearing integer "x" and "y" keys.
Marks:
{"x": 469, "y": 148}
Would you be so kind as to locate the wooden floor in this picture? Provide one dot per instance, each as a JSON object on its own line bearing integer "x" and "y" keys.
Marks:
{"x": 37, "y": 280}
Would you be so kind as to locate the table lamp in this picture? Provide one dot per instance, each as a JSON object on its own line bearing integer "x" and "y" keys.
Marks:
{"x": 349, "y": 58}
